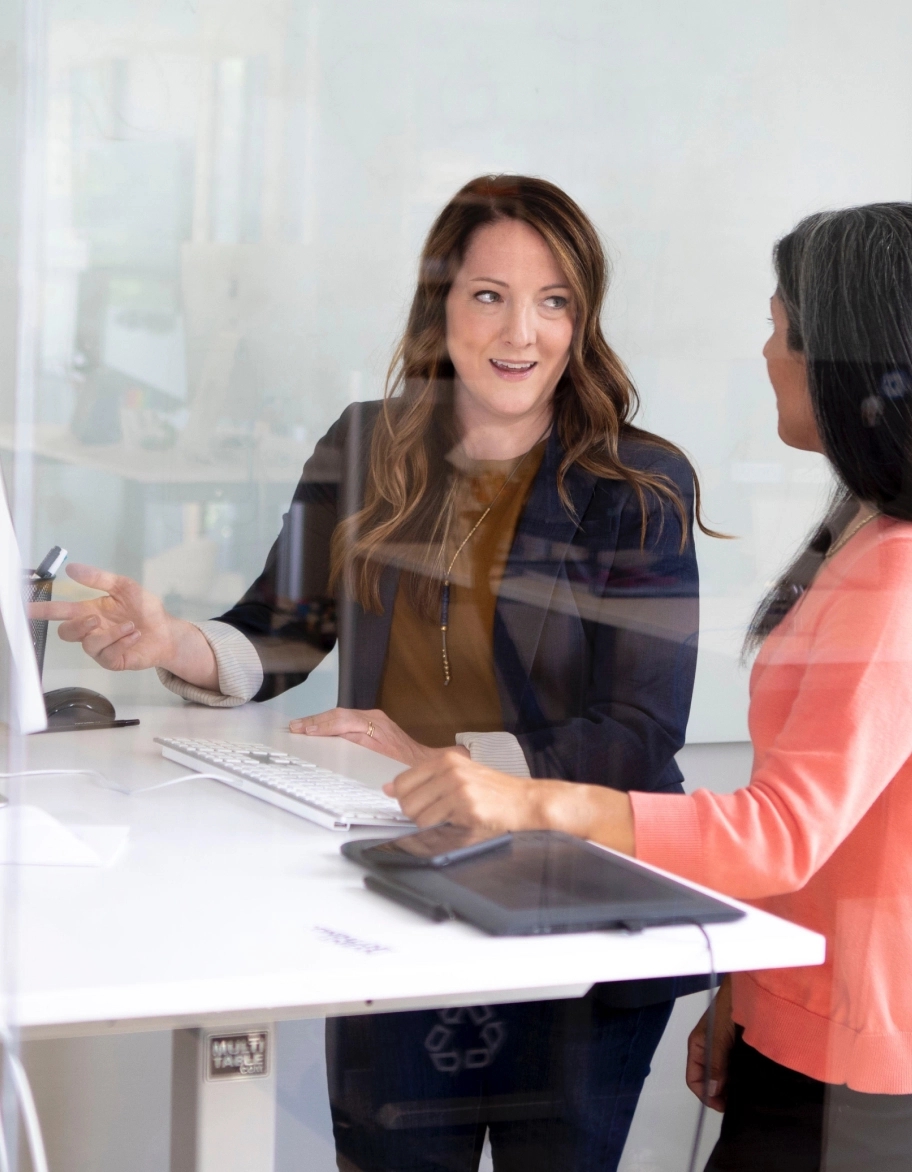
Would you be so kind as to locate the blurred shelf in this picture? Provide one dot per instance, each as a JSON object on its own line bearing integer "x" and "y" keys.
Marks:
{"x": 268, "y": 459}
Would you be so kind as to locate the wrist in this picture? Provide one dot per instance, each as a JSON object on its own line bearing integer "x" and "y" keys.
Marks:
{"x": 176, "y": 636}
{"x": 612, "y": 823}
{"x": 591, "y": 812}
{"x": 189, "y": 655}
{"x": 420, "y": 753}
{"x": 561, "y": 805}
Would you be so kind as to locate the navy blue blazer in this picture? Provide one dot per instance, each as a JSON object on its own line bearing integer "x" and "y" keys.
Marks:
{"x": 595, "y": 628}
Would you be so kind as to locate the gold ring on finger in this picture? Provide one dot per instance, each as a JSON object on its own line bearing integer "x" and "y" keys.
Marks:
{"x": 370, "y": 729}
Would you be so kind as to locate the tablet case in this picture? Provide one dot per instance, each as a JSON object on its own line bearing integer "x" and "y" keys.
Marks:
{"x": 543, "y": 882}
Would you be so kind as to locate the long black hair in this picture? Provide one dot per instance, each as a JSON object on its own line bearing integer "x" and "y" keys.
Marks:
{"x": 845, "y": 282}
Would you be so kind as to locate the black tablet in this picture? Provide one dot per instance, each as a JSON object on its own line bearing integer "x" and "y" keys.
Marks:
{"x": 543, "y": 881}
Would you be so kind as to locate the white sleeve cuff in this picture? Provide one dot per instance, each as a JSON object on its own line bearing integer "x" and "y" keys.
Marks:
{"x": 497, "y": 750}
{"x": 240, "y": 672}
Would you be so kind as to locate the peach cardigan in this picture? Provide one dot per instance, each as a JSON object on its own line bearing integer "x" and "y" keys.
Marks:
{"x": 822, "y": 835}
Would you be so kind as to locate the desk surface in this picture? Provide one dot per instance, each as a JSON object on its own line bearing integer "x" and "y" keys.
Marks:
{"x": 224, "y": 909}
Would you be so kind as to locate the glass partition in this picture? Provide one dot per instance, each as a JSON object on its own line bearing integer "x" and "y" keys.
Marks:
{"x": 208, "y": 256}
{"x": 235, "y": 201}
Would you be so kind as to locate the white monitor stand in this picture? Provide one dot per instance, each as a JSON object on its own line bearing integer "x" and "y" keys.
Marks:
{"x": 26, "y": 703}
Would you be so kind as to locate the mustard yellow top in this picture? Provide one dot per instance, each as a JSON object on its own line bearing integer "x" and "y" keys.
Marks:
{"x": 412, "y": 690}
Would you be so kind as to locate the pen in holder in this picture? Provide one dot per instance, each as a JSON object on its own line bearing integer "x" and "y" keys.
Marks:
{"x": 38, "y": 590}
{"x": 38, "y": 586}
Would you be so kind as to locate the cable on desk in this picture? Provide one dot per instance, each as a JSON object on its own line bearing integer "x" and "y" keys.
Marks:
{"x": 50, "y": 773}
{"x": 106, "y": 781}
{"x": 707, "y": 1066}
{"x": 144, "y": 789}
{"x": 54, "y": 773}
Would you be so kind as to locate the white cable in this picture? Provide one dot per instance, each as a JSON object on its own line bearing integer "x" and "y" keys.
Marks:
{"x": 144, "y": 789}
{"x": 4, "y": 1151}
{"x": 26, "y": 1100}
{"x": 53, "y": 773}
{"x": 29, "y": 1114}
{"x": 707, "y": 1068}
{"x": 106, "y": 782}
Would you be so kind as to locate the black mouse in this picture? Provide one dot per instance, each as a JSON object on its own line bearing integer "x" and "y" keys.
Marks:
{"x": 75, "y": 706}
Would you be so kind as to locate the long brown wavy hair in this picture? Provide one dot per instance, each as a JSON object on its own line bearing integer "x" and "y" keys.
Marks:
{"x": 408, "y": 494}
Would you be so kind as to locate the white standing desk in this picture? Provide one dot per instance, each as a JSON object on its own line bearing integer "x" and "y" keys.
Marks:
{"x": 224, "y": 915}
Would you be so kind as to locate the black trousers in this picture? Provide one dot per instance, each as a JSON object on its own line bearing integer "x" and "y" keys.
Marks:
{"x": 777, "y": 1120}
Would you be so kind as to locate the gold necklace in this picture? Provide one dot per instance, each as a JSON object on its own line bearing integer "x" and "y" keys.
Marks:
{"x": 445, "y": 595}
{"x": 846, "y": 536}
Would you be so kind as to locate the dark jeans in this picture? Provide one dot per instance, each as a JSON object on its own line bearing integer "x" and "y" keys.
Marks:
{"x": 555, "y": 1082}
{"x": 777, "y": 1120}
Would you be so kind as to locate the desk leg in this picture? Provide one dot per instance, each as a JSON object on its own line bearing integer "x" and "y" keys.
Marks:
{"x": 223, "y": 1106}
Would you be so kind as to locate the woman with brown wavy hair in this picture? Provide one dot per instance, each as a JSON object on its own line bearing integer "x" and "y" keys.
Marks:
{"x": 507, "y": 563}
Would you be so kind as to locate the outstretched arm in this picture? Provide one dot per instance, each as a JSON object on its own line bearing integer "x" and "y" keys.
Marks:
{"x": 128, "y": 629}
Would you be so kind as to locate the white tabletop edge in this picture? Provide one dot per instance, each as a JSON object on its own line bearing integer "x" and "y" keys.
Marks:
{"x": 311, "y": 886}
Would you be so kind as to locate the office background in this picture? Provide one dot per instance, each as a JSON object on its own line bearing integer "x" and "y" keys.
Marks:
{"x": 235, "y": 195}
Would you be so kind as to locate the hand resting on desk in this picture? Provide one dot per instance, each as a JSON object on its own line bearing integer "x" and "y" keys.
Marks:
{"x": 128, "y": 629}
{"x": 371, "y": 728}
{"x": 450, "y": 787}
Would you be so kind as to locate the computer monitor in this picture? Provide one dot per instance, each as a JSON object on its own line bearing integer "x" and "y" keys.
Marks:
{"x": 26, "y": 703}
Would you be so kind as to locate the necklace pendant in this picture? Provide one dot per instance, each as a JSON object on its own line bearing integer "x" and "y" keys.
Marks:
{"x": 444, "y": 627}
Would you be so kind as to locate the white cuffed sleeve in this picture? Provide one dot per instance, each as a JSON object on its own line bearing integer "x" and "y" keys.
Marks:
{"x": 240, "y": 672}
{"x": 497, "y": 750}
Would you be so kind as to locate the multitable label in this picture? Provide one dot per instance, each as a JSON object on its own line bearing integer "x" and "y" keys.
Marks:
{"x": 238, "y": 1055}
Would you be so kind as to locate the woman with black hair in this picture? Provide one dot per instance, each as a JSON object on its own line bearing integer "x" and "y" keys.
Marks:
{"x": 812, "y": 1066}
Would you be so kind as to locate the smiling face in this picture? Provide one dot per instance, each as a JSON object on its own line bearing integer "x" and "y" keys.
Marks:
{"x": 509, "y": 320}
{"x": 787, "y": 369}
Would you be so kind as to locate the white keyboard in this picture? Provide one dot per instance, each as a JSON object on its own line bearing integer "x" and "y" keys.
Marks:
{"x": 319, "y": 795}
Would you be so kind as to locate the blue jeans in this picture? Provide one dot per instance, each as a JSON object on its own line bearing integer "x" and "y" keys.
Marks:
{"x": 555, "y": 1083}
